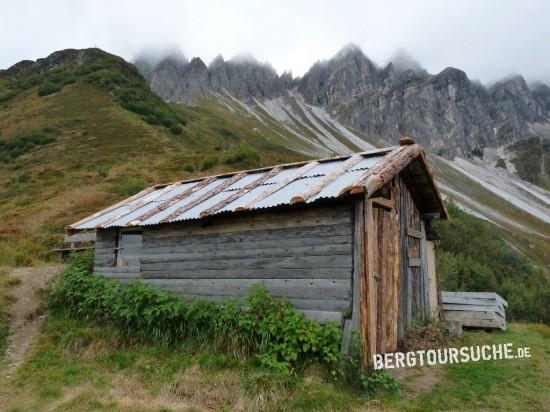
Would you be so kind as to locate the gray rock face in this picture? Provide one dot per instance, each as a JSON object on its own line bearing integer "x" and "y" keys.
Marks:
{"x": 447, "y": 112}
{"x": 244, "y": 78}
{"x": 350, "y": 74}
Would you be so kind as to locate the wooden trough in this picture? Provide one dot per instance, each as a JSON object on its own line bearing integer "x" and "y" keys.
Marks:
{"x": 475, "y": 309}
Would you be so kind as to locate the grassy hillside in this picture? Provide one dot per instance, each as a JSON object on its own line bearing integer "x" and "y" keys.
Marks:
{"x": 81, "y": 129}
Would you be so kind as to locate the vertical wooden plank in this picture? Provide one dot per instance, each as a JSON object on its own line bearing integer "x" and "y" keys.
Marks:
{"x": 432, "y": 278}
{"x": 404, "y": 298}
{"x": 378, "y": 273}
{"x": 370, "y": 285}
{"x": 396, "y": 269}
{"x": 363, "y": 312}
{"x": 357, "y": 238}
{"x": 424, "y": 272}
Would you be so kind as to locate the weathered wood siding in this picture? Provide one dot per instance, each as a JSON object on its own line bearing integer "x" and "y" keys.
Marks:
{"x": 302, "y": 255}
{"x": 105, "y": 245}
{"x": 433, "y": 282}
{"x": 387, "y": 273}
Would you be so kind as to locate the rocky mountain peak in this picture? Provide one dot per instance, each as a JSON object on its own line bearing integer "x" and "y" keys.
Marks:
{"x": 218, "y": 61}
{"x": 447, "y": 112}
{"x": 347, "y": 75}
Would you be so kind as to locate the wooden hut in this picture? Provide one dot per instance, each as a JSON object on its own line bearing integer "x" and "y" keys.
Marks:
{"x": 342, "y": 239}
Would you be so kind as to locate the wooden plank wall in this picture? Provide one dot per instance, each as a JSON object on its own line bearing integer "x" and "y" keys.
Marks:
{"x": 105, "y": 244}
{"x": 303, "y": 256}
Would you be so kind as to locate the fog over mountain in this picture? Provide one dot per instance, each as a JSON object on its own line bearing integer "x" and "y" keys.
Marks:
{"x": 487, "y": 39}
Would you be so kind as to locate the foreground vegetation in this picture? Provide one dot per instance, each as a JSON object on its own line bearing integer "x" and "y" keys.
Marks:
{"x": 83, "y": 363}
{"x": 272, "y": 330}
{"x": 473, "y": 257}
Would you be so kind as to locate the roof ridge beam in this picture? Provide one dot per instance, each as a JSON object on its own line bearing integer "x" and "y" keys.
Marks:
{"x": 390, "y": 165}
{"x": 252, "y": 185}
{"x": 327, "y": 179}
{"x": 302, "y": 170}
{"x": 171, "y": 201}
{"x": 207, "y": 195}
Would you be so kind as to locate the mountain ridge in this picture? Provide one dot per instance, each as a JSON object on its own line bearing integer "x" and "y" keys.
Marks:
{"x": 446, "y": 112}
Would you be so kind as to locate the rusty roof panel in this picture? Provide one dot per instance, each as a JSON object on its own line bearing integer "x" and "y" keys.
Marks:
{"x": 153, "y": 220}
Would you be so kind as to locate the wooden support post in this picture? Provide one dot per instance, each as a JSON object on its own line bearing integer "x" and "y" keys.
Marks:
{"x": 358, "y": 261}
{"x": 369, "y": 297}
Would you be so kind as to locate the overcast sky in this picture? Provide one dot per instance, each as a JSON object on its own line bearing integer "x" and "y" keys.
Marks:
{"x": 488, "y": 39}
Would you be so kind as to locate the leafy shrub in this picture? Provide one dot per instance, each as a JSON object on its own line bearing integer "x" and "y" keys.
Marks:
{"x": 48, "y": 88}
{"x": 7, "y": 95}
{"x": 102, "y": 171}
{"x": 209, "y": 162}
{"x": 189, "y": 168}
{"x": 12, "y": 148}
{"x": 243, "y": 155}
{"x": 176, "y": 129}
{"x": 127, "y": 186}
{"x": 473, "y": 257}
{"x": 367, "y": 380}
{"x": 271, "y": 329}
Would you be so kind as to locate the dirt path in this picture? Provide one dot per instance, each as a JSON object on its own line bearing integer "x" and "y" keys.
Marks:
{"x": 23, "y": 324}
{"x": 416, "y": 381}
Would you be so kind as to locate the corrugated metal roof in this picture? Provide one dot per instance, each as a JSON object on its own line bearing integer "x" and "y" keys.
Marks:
{"x": 254, "y": 189}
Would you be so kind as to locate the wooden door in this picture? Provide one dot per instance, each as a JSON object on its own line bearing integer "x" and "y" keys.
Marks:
{"x": 385, "y": 273}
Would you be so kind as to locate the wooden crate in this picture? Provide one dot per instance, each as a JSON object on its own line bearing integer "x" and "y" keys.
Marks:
{"x": 475, "y": 309}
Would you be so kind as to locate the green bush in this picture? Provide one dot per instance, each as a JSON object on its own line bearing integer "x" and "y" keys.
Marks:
{"x": 48, "y": 88}
{"x": 367, "y": 380}
{"x": 127, "y": 186}
{"x": 12, "y": 148}
{"x": 176, "y": 129}
{"x": 189, "y": 168}
{"x": 271, "y": 329}
{"x": 473, "y": 257}
{"x": 244, "y": 156}
{"x": 209, "y": 162}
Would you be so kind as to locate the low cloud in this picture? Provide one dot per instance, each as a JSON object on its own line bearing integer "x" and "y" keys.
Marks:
{"x": 486, "y": 39}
